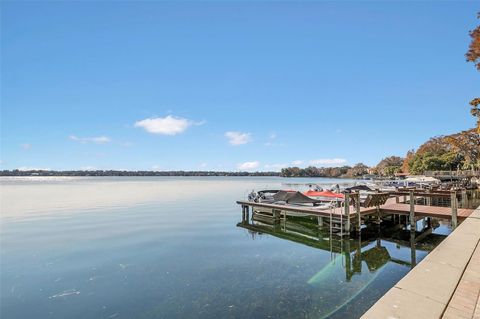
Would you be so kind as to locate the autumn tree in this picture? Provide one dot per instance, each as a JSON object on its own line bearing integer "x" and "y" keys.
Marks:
{"x": 475, "y": 111}
{"x": 451, "y": 152}
{"x": 358, "y": 169}
{"x": 406, "y": 160}
{"x": 389, "y": 165}
{"x": 466, "y": 144}
{"x": 473, "y": 55}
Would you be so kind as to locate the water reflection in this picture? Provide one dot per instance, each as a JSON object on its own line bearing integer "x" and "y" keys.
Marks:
{"x": 355, "y": 263}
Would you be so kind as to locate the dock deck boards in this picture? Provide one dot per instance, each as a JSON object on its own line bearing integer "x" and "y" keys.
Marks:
{"x": 426, "y": 211}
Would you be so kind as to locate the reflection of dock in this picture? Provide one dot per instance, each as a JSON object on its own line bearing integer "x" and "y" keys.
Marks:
{"x": 409, "y": 204}
{"x": 352, "y": 252}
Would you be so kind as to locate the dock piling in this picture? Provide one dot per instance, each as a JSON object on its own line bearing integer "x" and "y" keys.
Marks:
{"x": 453, "y": 205}
{"x": 413, "y": 224}
{"x": 347, "y": 212}
{"x": 464, "y": 198}
{"x": 357, "y": 208}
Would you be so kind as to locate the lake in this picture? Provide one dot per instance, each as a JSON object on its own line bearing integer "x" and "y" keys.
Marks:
{"x": 153, "y": 247}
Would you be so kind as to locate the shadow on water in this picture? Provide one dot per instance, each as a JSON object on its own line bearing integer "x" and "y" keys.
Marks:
{"x": 356, "y": 264}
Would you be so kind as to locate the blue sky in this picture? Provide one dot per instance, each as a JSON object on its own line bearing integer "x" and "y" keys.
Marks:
{"x": 229, "y": 85}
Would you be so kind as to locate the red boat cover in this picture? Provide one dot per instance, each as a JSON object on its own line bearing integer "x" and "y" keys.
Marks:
{"x": 324, "y": 194}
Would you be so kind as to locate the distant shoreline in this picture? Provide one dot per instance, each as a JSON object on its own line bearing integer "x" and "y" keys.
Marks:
{"x": 115, "y": 173}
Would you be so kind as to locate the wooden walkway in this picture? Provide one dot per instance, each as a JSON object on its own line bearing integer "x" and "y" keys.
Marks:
{"x": 425, "y": 211}
{"x": 446, "y": 284}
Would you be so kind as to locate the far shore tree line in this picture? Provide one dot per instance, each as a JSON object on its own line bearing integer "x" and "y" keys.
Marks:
{"x": 17, "y": 172}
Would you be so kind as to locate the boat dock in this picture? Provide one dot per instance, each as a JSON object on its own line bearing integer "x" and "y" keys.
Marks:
{"x": 446, "y": 284}
{"x": 409, "y": 204}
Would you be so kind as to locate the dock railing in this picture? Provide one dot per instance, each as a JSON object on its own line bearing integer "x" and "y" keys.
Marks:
{"x": 414, "y": 193}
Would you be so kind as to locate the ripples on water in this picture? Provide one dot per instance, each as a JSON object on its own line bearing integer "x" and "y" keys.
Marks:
{"x": 170, "y": 248}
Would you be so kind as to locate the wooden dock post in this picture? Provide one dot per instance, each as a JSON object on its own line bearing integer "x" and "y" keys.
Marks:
{"x": 377, "y": 208}
{"x": 453, "y": 205}
{"x": 347, "y": 212}
{"x": 396, "y": 196}
{"x": 464, "y": 198}
{"x": 276, "y": 216}
{"x": 357, "y": 208}
{"x": 245, "y": 213}
{"x": 413, "y": 224}
{"x": 320, "y": 221}
{"x": 413, "y": 251}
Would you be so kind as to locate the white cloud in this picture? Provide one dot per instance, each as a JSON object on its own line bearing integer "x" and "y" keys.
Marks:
{"x": 238, "y": 138}
{"x": 169, "y": 125}
{"x": 272, "y": 135}
{"x": 156, "y": 167}
{"x": 328, "y": 161}
{"x": 95, "y": 139}
{"x": 248, "y": 166}
{"x": 27, "y": 168}
{"x": 26, "y": 146}
{"x": 297, "y": 162}
{"x": 203, "y": 165}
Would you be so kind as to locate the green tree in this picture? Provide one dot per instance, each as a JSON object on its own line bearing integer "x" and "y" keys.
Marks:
{"x": 392, "y": 170}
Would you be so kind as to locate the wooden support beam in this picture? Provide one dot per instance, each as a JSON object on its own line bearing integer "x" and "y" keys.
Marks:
{"x": 347, "y": 212}
{"x": 464, "y": 198}
{"x": 276, "y": 215}
{"x": 245, "y": 212}
{"x": 413, "y": 250}
{"x": 453, "y": 205}
{"x": 320, "y": 221}
{"x": 413, "y": 224}
{"x": 357, "y": 208}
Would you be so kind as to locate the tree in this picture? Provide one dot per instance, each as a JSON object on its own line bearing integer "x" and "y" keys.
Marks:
{"x": 467, "y": 144}
{"x": 391, "y": 161}
{"x": 437, "y": 145}
{"x": 391, "y": 170}
{"x": 406, "y": 160}
{"x": 473, "y": 55}
{"x": 428, "y": 161}
{"x": 358, "y": 169}
{"x": 475, "y": 111}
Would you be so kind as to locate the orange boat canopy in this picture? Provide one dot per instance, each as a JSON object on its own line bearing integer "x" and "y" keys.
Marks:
{"x": 324, "y": 194}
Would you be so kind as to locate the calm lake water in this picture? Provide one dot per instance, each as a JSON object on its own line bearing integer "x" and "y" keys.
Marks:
{"x": 171, "y": 248}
